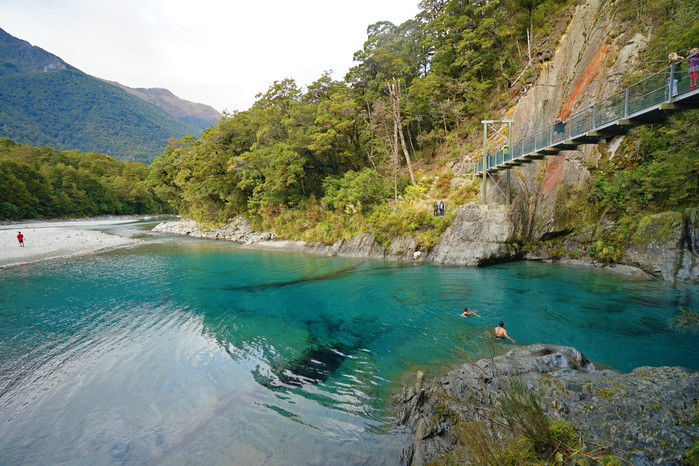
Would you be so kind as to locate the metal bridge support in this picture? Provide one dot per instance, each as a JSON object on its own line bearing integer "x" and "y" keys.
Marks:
{"x": 485, "y": 160}
{"x": 500, "y": 140}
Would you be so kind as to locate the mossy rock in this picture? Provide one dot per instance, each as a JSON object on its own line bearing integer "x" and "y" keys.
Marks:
{"x": 661, "y": 227}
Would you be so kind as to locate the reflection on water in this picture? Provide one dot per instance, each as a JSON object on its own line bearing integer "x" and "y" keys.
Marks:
{"x": 191, "y": 351}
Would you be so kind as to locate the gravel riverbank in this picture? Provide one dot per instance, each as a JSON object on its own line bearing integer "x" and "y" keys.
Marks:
{"x": 49, "y": 239}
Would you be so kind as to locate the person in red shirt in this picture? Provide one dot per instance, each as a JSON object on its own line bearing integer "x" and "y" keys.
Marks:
{"x": 20, "y": 238}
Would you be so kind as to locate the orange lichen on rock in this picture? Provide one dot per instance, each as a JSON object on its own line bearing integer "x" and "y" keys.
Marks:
{"x": 554, "y": 174}
{"x": 587, "y": 77}
{"x": 554, "y": 171}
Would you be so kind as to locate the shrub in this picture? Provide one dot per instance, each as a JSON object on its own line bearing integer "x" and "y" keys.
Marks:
{"x": 355, "y": 191}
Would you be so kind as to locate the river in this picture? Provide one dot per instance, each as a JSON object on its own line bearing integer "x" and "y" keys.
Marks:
{"x": 188, "y": 351}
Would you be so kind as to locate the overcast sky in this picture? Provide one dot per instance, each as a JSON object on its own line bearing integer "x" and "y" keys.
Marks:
{"x": 217, "y": 52}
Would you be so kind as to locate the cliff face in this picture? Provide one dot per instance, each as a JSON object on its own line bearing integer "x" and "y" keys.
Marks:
{"x": 590, "y": 62}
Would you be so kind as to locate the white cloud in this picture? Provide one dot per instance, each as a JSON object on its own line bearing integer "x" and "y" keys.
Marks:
{"x": 221, "y": 53}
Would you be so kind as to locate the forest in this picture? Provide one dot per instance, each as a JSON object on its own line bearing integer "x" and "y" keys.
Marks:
{"x": 46, "y": 183}
{"x": 370, "y": 153}
{"x": 373, "y": 151}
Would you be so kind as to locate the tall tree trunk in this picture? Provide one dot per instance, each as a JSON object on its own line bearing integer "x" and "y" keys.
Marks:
{"x": 394, "y": 91}
{"x": 394, "y": 149}
{"x": 370, "y": 152}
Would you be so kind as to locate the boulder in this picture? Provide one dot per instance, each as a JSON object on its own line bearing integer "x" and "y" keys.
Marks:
{"x": 657, "y": 245}
{"x": 362, "y": 245}
{"x": 477, "y": 236}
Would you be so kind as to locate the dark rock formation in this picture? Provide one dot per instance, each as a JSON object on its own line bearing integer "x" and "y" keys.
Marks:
{"x": 315, "y": 365}
{"x": 648, "y": 416}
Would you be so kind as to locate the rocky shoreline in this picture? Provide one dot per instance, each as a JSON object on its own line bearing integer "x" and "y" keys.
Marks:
{"x": 239, "y": 230}
{"x": 480, "y": 237}
{"x": 648, "y": 416}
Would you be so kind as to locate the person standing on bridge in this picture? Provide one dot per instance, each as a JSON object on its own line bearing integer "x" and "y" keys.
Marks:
{"x": 674, "y": 59}
{"x": 505, "y": 153}
{"x": 693, "y": 67}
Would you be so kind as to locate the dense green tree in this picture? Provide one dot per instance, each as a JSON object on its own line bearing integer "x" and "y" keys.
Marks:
{"x": 417, "y": 92}
{"x": 44, "y": 183}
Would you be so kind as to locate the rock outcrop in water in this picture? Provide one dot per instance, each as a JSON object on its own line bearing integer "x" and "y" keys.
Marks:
{"x": 648, "y": 416}
{"x": 315, "y": 365}
{"x": 478, "y": 236}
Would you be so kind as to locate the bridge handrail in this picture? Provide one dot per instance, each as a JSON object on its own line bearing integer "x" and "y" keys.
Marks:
{"x": 664, "y": 87}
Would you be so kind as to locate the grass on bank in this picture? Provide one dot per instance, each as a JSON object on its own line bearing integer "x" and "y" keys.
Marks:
{"x": 408, "y": 214}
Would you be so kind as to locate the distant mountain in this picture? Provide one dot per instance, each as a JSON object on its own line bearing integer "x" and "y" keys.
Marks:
{"x": 200, "y": 115}
{"x": 46, "y": 102}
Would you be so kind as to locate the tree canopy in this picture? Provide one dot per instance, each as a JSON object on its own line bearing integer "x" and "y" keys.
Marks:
{"x": 46, "y": 183}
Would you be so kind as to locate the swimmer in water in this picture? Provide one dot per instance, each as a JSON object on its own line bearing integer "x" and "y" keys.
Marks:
{"x": 501, "y": 333}
{"x": 468, "y": 312}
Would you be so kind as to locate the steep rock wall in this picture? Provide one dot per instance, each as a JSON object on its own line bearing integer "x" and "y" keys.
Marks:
{"x": 589, "y": 63}
{"x": 478, "y": 236}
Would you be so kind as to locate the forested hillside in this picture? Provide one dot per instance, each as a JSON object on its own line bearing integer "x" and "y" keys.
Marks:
{"x": 45, "y": 101}
{"x": 47, "y": 183}
{"x": 370, "y": 153}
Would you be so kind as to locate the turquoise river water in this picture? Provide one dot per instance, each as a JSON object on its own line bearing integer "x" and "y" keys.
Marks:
{"x": 184, "y": 351}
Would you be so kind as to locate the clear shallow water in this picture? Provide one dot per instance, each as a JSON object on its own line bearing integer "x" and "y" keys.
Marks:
{"x": 194, "y": 351}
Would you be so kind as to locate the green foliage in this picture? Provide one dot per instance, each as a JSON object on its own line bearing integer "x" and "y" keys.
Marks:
{"x": 691, "y": 458}
{"x": 661, "y": 171}
{"x": 44, "y": 183}
{"x": 312, "y": 222}
{"x": 525, "y": 416}
{"x": 354, "y": 191}
{"x": 605, "y": 252}
{"x": 609, "y": 460}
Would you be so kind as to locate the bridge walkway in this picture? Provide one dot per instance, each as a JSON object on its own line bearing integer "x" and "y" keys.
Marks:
{"x": 649, "y": 101}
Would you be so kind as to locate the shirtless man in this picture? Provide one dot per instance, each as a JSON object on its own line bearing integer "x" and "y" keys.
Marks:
{"x": 501, "y": 333}
{"x": 468, "y": 312}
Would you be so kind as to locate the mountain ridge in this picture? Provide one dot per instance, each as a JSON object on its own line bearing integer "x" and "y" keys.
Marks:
{"x": 45, "y": 101}
{"x": 197, "y": 114}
